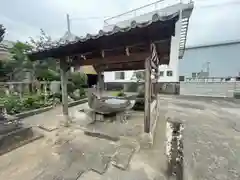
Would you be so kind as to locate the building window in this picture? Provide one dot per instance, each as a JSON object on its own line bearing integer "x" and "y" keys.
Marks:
{"x": 169, "y": 73}
{"x": 194, "y": 75}
{"x": 119, "y": 75}
{"x": 181, "y": 78}
{"x": 161, "y": 73}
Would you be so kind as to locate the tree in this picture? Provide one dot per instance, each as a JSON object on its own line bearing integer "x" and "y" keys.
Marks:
{"x": 20, "y": 60}
{"x": 15, "y": 68}
{"x": 16, "y": 64}
{"x": 6, "y": 70}
{"x": 2, "y": 32}
{"x": 43, "y": 41}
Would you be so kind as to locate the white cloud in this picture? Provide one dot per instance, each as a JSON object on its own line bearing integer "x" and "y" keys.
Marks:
{"x": 25, "y": 18}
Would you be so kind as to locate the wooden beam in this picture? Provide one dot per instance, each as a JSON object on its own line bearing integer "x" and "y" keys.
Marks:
{"x": 114, "y": 59}
{"x": 100, "y": 84}
{"x": 122, "y": 66}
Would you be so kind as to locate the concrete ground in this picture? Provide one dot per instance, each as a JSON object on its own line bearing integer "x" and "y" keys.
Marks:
{"x": 67, "y": 153}
{"x": 211, "y": 145}
{"x": 211, "y": 136}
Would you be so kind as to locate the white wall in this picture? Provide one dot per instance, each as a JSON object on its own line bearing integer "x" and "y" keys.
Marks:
{"x": 173, "y": 64}
{"x": 174, "y": 53}
{"x": 110, "y": 77}
{"x": 174, "y": 61}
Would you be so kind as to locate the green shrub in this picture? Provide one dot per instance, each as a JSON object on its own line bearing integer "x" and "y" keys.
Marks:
{"x": 121, "y": 94}
{"x": 14, "y": 104}
{"x": 47, "y": 75}
{"x": 78, "y": 79}
{"x": 131, "y": 87}
{"x": 118, "y": 93}
{"x": 71, "y": 87}
{"x": 76, "y": 83}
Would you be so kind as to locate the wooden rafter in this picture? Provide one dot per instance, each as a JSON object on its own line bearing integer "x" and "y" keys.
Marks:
{"x": 112, "y": 60}
{"x": 134, "y": 56}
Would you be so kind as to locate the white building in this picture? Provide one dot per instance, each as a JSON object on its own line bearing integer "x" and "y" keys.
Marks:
{"x": 168, "y": 73}
{"x": 4, "y": 49}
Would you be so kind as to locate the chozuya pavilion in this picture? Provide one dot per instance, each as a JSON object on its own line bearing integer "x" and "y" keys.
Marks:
{"x": 139, "y": 45}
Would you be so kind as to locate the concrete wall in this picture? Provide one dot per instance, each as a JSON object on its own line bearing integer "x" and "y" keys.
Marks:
{"x": 214, "y": 89}
{"x": 163, "y": 88}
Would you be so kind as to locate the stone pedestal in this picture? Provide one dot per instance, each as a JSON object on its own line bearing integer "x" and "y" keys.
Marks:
{"x": 12, "y": 132}
{"x": 7, "y": 123}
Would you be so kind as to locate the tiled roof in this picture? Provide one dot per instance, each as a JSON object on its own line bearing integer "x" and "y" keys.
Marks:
{"x": 68, "y": 36}
{"x": 133, "y": 24}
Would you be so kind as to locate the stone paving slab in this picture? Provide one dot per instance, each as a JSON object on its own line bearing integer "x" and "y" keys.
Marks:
{"x": 123, "y": 156}
{"x": 17, "y": 138}
{"x": 102, "y": 135}
{"x": 47, "y": 159}
{"x": 99, "y": 163}
{"x": 116, "y": 174}
{"x": 73, "y": 172}
{"x": 133, "y": 127}
{"x": 49, "y": 128}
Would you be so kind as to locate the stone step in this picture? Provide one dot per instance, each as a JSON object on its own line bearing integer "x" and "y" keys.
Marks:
{"x": 123, "y": 156}
{"x": 101, "y": 135}
{"x": 17, "y": 138}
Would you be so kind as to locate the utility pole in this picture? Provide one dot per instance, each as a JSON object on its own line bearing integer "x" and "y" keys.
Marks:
{"x": 68, "y": 24}
{"x": 208, "y": 68}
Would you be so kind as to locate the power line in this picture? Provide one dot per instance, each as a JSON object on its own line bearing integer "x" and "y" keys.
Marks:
{"x": 197, "y": 7}
{"x": 90, "y": 18}
{"x": 216, "y": 5}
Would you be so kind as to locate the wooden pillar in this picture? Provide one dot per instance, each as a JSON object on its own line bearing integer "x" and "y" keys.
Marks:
{"x": 20, "y": 89}
{"x": 147, "y": 96}
{"x": 98, "y": 82}
{"x": 102, "y": 82}
{"x": 156, "y": 82}
{"x": 64, "y": 82}
{"x": 100, "y": 86}
{"x": 45, "y": 92}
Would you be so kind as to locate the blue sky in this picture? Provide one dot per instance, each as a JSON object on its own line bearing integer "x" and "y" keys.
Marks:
{"x": 212, "y": 21}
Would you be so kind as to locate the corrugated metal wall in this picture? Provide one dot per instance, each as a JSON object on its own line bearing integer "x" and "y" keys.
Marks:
{"x": 224, "y": 60}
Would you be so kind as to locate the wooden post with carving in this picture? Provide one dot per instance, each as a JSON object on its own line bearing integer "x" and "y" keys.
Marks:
{"x": 64, "y": 82}
{"x": 100, "y": 84}
{"x": 147, "y": 96}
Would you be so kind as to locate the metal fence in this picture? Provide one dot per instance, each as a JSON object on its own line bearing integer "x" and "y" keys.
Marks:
{"x": 21, "y": 88}
{"x": 143, "y": 10}
{"x": 212, "y": 86}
